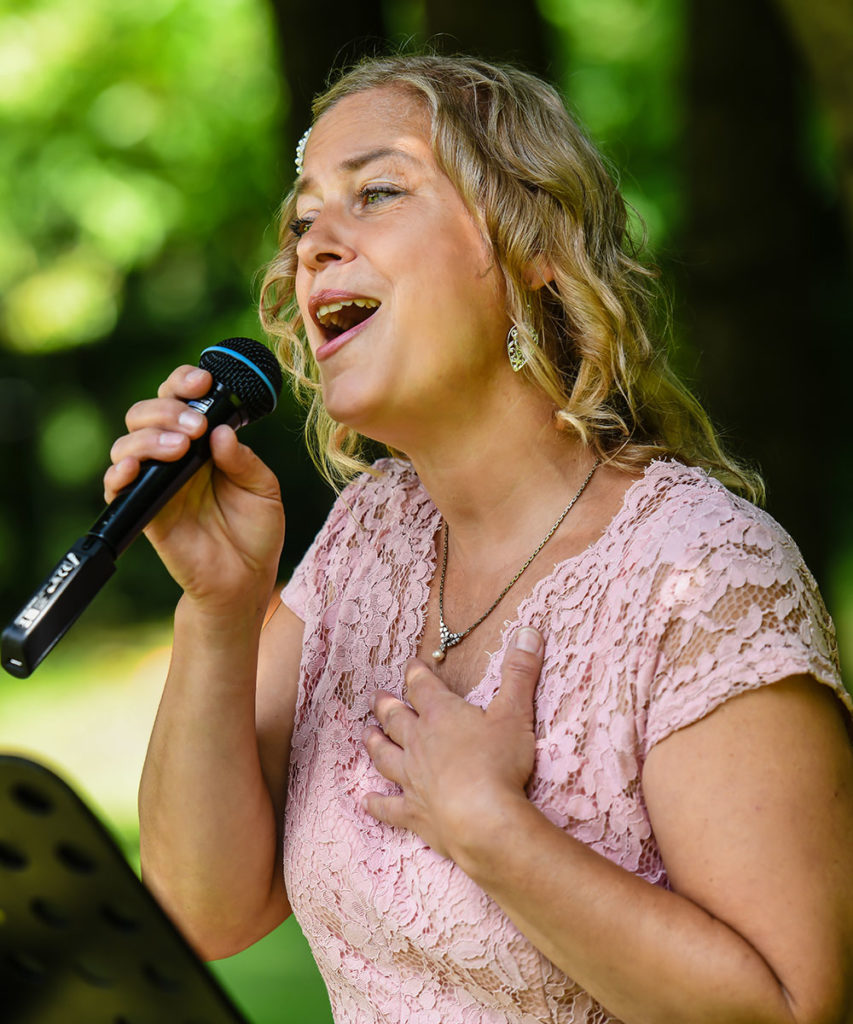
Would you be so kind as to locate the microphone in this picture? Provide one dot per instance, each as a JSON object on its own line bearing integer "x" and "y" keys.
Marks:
{"x": 246, "y": 386}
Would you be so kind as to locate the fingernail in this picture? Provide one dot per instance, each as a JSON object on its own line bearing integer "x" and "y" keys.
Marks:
{"x": 529, "y": 640}
{"x": 169, "y": 439}
{"x": 195, "y": 376}
{"x": 191, "y": 419}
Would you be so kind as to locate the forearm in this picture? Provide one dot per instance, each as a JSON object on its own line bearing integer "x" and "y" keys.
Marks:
{"x": 207, "y": 824}
{"x": 645, "y": 953}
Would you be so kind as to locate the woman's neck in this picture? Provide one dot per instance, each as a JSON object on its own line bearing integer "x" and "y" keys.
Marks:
{"x": 500, "y": 487}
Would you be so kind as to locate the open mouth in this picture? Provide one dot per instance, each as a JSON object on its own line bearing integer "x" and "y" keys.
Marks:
{"x": 341, "y": 315}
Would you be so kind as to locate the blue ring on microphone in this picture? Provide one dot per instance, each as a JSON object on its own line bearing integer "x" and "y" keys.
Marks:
{"x": 250, "y": 364}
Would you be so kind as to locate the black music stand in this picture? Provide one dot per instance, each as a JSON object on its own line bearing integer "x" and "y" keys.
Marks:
{"x": 82, "y": 941}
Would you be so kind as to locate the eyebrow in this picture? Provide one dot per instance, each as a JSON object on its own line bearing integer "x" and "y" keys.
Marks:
{"x": 355, "y": 163}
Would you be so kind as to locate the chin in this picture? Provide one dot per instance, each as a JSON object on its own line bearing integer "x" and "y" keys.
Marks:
{"x": 353, "y": 410}
{"x": 368, "y": 421}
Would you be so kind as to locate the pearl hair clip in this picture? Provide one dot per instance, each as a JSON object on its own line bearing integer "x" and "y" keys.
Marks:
{"x": 300, "y": 151}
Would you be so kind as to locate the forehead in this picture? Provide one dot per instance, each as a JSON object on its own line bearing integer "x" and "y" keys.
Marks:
{"x": 381, "y": 117}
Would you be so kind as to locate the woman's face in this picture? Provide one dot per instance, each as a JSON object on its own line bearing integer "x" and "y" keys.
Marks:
{"x": 403, "y": 303}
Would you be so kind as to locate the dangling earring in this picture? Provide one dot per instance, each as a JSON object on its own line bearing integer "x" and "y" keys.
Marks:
{"x": 514, "y": 347}
{"x": 517, "y": 355}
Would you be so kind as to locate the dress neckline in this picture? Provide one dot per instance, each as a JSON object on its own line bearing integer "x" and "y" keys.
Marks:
{"x": 630, "y": 499}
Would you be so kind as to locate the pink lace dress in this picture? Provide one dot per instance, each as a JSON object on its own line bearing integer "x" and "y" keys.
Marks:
{"x": 690, "y": 597}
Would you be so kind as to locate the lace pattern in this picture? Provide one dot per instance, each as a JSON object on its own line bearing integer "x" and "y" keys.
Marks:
{"x": 690, "y": 597}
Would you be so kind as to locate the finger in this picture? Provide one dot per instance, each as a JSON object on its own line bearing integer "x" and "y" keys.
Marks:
{"x": 167, "y": 414}
{"x": 422, "y": 684}
{"x": 520, "y": 671}
{"x": 390, "y": 809}
{"x": 119, "y": 476}
{"x": 150, "y": 443}
{"x": 386, "y": 756}
{"x": 185, "y": 382}
{"x": 130, "y": 450}
{"x": 160, "y": 429}
{"x": 395, "y": 717}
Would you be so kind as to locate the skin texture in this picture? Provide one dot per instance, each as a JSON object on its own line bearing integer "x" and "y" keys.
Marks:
{"x": 752, "y": 806}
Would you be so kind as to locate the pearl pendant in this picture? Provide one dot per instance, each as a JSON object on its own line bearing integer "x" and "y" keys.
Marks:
{"x": 438, "y": 654}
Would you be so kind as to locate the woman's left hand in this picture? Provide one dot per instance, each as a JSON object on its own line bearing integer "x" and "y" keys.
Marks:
{"x": 455, "y": 763}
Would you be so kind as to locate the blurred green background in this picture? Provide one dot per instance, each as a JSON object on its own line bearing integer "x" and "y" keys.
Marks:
{"x": 144, "y": 148}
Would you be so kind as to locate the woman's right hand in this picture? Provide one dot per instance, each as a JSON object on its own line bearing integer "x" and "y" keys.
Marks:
{"x": 221, "y": 535}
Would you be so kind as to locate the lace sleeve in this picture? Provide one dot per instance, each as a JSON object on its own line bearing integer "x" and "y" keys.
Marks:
{"x": 295, "y": 592}
{"x": 742, "y": 611}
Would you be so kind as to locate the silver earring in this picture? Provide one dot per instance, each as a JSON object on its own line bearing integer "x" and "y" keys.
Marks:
{"x": 517, "y": 355}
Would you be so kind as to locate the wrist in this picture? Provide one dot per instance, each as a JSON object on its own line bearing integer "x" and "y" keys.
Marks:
{"x": 478, "y": 842}
{"x": 220, "y": 623}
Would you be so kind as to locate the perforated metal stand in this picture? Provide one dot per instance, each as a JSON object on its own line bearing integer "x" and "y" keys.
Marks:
{"x": 82, "y": 941}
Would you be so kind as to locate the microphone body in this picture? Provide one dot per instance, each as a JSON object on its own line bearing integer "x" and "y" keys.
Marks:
{"x": 246, "y": 384}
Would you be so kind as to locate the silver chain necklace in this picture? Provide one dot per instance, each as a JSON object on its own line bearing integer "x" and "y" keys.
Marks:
{"x": 448, "y": 639}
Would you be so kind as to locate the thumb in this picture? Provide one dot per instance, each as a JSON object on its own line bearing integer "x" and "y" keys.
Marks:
{"x": 520, "y": 670}
{"x": 241, "y": 465}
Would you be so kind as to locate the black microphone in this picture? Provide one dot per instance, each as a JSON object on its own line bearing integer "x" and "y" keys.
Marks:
{"x": 246, "y": 386}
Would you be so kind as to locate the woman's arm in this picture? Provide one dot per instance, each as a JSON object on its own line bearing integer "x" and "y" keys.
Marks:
{"x": 212, "y": 787}
{"x": 753, "y": 811}
{"x": 211, "y": 800}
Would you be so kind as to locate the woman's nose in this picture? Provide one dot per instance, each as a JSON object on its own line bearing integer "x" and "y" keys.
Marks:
{"x": 325, "y": 242}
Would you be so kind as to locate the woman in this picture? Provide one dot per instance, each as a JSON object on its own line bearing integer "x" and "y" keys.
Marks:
{"x": 548, "y": 721}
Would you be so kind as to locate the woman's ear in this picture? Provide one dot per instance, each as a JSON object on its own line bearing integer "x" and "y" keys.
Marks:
{"x": 537, "y": 273}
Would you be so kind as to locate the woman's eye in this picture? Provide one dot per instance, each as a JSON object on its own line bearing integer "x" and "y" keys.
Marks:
{"x": 370, "y": 195}
{"x": 300, "y": 226}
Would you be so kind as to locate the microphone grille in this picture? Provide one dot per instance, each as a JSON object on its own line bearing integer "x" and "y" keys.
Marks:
{"x": 249, "y": 369}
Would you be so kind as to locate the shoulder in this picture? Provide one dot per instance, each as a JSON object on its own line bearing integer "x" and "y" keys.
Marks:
{"x": 695, "y": 505}
{"x": 718, "y": 558}
{"x": 733, "y": 604}
{"x": 689, "y": 521}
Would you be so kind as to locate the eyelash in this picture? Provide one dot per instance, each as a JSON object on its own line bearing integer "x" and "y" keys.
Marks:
{"x": 300, "y": 225}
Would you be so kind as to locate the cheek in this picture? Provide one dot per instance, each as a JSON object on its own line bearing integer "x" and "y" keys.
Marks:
{"x": 472, "y": 296}
{"x": 302, "y": 292}
{"x": 466, "y": 263}
{"x": 301, "y": 286}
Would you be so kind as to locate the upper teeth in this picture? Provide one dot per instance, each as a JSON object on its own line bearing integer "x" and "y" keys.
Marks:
{"x": 333, "y": 307}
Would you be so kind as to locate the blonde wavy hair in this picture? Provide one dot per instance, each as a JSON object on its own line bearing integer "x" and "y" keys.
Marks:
{"x": 543, "y": 196}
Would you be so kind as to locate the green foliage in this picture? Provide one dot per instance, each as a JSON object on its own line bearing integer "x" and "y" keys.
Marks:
{"x": 139, "y": 174}
{"x": 275, "y": 981}
{"x": 134, "y": 134}
{"x": 73, "y": 440}
{"x": 622, "y": 64}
